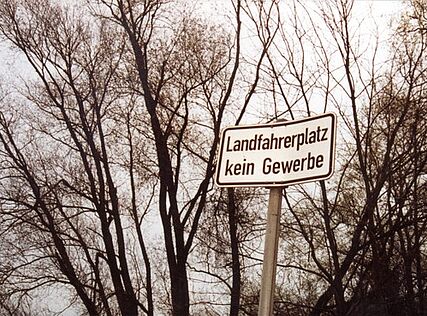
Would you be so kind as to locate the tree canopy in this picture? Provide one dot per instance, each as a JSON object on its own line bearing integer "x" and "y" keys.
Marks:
{"x": 108, "y": 151}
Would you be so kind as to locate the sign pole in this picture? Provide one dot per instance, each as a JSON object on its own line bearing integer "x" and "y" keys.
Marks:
{"x": 268, "y": 282}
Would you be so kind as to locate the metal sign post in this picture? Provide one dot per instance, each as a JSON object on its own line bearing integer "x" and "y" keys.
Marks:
{"x": 268, "y": 282}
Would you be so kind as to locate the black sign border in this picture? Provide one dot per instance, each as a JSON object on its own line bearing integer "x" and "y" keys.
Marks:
{"x": 281, "y": 183}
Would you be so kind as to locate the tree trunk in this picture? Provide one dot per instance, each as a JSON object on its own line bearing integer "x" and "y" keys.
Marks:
{"x": 179, "y": 287}
{"x": 235, "y": 289}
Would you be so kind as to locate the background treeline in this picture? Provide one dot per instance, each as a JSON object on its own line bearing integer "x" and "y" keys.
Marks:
{"x": 108, "y": 150}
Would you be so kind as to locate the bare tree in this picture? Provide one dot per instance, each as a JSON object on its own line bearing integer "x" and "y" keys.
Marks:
{"x": 124, "y": 116}
{"x": 351, "y": 237}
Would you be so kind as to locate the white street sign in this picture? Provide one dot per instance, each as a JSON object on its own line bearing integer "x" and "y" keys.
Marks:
{"x": 277, "y": 154}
